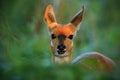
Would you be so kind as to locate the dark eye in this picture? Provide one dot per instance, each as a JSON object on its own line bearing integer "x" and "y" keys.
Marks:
{"x": 70, "y": 36}
{"x": 53, "y": 36}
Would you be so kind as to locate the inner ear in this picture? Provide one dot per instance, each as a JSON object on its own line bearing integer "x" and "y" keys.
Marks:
{"x": 51, "y": 18}
{"x": 77, "y": 18}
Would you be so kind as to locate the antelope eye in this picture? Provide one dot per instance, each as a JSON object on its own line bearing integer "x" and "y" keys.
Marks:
{"x": 53, "y": 36}
{"x": 70, "y": 36}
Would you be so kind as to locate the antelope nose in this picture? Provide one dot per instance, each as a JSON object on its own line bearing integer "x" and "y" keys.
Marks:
{"x": 61, "y": 49}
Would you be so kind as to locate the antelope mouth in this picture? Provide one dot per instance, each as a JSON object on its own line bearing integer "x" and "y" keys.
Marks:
{"x": 61, "y": 54}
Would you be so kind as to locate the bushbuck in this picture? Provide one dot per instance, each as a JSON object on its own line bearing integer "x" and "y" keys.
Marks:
{"x": 62, "y": 37}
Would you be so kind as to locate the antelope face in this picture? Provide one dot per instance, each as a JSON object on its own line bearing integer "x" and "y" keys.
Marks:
{"x": 62, "y": 40}
{"x": 62, "y": 35}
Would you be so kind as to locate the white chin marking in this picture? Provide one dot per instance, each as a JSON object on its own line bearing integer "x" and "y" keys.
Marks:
{"x": 60, "y": 60}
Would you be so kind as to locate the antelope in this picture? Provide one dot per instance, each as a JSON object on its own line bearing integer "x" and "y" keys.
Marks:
{"x": 62, "y": 37}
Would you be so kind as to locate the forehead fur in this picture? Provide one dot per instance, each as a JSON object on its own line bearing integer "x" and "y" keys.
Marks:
{"x": 63, "y": 30}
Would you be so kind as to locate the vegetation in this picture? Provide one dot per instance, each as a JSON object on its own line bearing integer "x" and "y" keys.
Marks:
{"x": 25, "y": 52}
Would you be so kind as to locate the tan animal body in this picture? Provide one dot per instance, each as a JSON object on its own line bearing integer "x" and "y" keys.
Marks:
{"x": 62, "y": 37}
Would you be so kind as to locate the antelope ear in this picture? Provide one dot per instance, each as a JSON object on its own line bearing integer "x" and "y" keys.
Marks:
{"x": 50, "y": 17}
{"x": 77, "y": 18}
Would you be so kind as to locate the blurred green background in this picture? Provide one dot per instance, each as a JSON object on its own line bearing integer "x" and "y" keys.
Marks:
{"x": 25, "y": 52}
